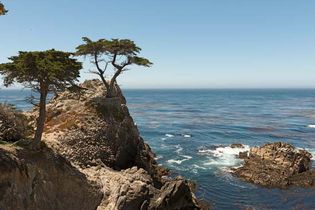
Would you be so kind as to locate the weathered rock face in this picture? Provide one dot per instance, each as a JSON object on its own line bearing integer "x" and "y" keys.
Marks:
{"x": 174, "y": 195}
{"x": 277, "y": 165}
{"x": 43, "y": 180}
{"x": 99, "y": 139}
{"x": 90, "y": 129}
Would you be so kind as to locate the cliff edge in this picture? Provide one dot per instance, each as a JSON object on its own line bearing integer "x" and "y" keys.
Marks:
{"x": 93, "y": 157}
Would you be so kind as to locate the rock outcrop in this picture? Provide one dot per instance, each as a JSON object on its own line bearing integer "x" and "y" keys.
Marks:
{"x": 100, "y": 150}
{"x": 43, "y": 180}
{"x": 277, "y": 165}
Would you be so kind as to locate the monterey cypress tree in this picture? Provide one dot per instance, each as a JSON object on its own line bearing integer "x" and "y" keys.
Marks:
{"x": 119, "y": 53}
{"x": 42, "y": 71}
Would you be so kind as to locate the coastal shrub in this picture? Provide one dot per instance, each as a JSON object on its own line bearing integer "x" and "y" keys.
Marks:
{"x": 110, "y": 108}
{"x": 13, "y": 124}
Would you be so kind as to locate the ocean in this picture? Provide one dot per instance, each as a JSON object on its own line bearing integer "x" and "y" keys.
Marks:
{"x": 191, "y": 130}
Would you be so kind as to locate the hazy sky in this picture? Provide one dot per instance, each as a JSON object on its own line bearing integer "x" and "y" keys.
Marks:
{"x": 193, "y": 44}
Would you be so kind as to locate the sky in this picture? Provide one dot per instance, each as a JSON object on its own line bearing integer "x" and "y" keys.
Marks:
{"x": 193, "y": 44}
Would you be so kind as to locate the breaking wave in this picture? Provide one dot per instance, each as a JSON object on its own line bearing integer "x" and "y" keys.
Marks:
{"x": 223, "y": 156}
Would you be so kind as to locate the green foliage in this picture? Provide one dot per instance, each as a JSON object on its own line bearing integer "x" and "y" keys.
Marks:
{"x": 122, "y": 47}
{"x": 140, "y": 61}
{"x": 91, "y": 48}
{"x": 13, "y": 124}
{"x": 52, "y": 69}
{"x": 120, "y": 53}
{"x": 3, "y": 11}
{"x": 111, "y": 49}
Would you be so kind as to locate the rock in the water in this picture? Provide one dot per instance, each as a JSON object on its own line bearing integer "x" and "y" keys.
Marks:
{"x": 243, "y": 155}
{"x": 277, "y": 165}
{"x": 236, "y": 145}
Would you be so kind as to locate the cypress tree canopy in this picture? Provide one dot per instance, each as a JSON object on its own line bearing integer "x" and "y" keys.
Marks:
{"x": 120, "y": 53}
{"x": 54, "y": 69}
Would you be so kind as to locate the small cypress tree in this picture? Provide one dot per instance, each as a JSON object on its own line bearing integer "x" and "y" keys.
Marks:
{"x": 42, "y": 71}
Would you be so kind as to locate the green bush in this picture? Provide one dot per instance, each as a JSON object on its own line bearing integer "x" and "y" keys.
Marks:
{"x": 13, "y": 124}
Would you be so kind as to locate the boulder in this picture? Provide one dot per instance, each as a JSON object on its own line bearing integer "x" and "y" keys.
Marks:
{"x": 175, "y": 194}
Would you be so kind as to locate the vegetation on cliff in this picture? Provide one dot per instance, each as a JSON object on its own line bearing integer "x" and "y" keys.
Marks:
{"x": 13, "y": 124}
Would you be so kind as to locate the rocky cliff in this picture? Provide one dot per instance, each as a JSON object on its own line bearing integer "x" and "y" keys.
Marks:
{"x": 92, "y": 158}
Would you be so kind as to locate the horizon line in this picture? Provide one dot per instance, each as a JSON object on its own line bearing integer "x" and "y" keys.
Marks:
{"x": 193, "y": 88}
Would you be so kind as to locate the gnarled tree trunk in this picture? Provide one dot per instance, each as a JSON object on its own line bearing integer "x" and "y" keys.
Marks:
{"x": 111, "y": 90}
{"x": 41, "y": 117}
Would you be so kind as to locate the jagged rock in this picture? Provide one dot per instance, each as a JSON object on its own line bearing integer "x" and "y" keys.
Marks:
{"x": 103, "y": 149}
{"x": 277, "y": 165}
{"x": 175, "y": 195}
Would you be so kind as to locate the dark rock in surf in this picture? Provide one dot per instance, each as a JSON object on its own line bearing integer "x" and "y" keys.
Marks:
{"x": 243, "y": 155}
{"x": 237, "y": 145}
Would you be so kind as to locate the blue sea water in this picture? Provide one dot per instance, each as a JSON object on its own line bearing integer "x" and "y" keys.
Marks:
{"x": 191, "y": 130}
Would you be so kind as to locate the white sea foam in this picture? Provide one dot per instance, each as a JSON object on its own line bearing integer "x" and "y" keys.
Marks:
{"x": 221, "y": 151}
{"x": 311, "y": 126}
{"x": 312, "y": 151}
{"x": 186, "y": 157}
{"x": 169, "y": 135}
{"x": 158, "y": 157}
{"x": 199, "y": 167}
{"x": 204, "y": 151}
{"x": 178, "y": 149}
{"x": 176, "y": 161}
{"x": 223, "y": 156}
{"x": 187, "y": 136}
